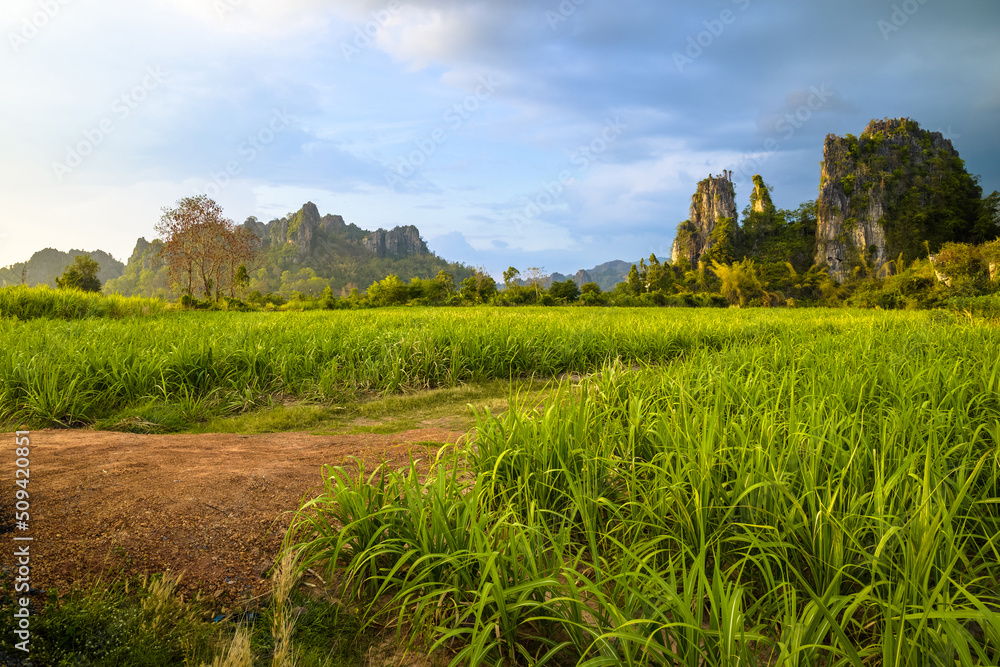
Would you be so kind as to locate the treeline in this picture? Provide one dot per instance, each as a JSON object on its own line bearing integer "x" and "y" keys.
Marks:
{"x": 776, "y": 270}
{"x": 960, "y": 276}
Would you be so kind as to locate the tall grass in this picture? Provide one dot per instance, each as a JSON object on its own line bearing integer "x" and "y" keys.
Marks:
{"x": 178, "y": 369}
{"x": 821, "y": 496}
{"x": 26, "y": 303}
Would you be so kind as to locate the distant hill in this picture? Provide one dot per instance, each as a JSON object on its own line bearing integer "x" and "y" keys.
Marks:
{"x": 304, "y": 252}
{"x": 46, "y": 265}
{"x": 606, "y": 275}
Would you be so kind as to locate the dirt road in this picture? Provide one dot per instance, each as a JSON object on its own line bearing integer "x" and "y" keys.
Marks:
{"x": 212, "y": 506}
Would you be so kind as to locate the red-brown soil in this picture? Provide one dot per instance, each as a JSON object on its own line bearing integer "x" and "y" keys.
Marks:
{"x": 214, "y": 507}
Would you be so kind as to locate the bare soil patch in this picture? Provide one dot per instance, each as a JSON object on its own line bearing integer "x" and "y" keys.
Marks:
{"x": 215, "y": 507}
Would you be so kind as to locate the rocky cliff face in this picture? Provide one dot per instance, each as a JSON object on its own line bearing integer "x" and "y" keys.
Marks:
{"x": 305, "y": 231}
{"x": 894, "y": 191}
{"x": 147, "y": 255}
{"x": 581, "y": 277}
{"x": 302, "y": 228}
{"x": 311, "y": 235}
{"x": 714, "y": 199}
{"x": 328, "y": 244}
{"x": 760, "y": 198}
{"x": 396, "y": 243}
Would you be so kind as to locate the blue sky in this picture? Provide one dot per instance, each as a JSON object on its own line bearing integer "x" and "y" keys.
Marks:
{"x": 559, "y": 133}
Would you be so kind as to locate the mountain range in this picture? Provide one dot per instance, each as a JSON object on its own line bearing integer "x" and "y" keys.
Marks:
{"x": 300, "y": 252}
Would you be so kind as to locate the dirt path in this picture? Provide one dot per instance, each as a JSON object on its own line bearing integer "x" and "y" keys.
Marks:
{"x": 213, "y": 506}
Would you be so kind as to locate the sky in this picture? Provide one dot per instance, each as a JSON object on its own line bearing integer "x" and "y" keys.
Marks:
{"x": 552, "y": 133}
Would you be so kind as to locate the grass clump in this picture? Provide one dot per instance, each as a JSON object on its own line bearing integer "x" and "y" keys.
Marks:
{"x": 144, "y": 624}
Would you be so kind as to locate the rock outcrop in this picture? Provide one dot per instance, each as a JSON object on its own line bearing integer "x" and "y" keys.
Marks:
{"x": 760, "y": 198}
{"x": 302, "y": 228}
{"x": 895, "y": 191}
{"x": 715, "y": 199}
{"x": 396, "y": 243}
{"x": 147, "y": 255}
{"x": 305, "y": 231}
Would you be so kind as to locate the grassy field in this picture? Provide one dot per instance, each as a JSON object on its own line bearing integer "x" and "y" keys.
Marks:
{"x": 164, "y": 372}
{"x": 710, "y": 487}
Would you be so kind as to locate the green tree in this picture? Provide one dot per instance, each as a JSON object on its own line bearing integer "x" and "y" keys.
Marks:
{"x": 446, "y": 281}
{"x": 81, "y": 274}
{"x": 722, "y": 246}
{"x": 988, "y": 223}
{"x": 634, "y": 282}
{"x": 389, "y": 292}
{"x": 240, "y": 281}
{"x": 590, "y": 294}
{"x": 486, "y": 287}
{"x": 567, "y": 291}
{"x": 479, "y": 287}
{"x": 510, "y": 278}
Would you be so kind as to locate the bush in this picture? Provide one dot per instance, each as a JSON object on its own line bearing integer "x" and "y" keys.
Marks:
{"x": 960, "y": 261}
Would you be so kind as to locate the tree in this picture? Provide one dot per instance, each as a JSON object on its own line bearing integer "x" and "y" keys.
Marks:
{"x": 486, "y": 287}
{"x": 81, "y": 275}
{"x": 446, "y": 281}
{"x": 389, "y": 292}
{"x": 510, "y": 278}
{"x": 534, "y": 275}
{"x": 566, "y": 290}
{"x": 479, "y": 287}
{"x": 241, "y": 279}
{"x": 202, "y": 246}
{"x": 590, "y": 294}
{"x": 721, "y": 243}
{"x": 634, "y": 282}
{"x": 988, "y": 223}
{"x": 238, "y": 247}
